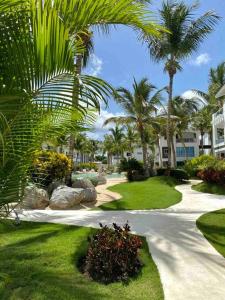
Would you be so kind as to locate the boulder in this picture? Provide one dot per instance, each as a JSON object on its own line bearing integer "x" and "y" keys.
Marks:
{"x": 89, "y": 195}
{"x": 65, "y": 197}
{"x": 35, "y": 198}
{"x": 83, "y": 183}
{"x": 101, "y": 179}
{"x": 52, "y": 186}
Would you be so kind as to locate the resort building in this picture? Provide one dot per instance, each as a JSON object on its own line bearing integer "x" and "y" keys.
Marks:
{"x": 218, "y": 126}
{"x": 187, "y": 147}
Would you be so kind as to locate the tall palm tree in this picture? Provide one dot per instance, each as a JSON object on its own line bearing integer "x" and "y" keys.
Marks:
{"x": 185, "y": 34}
{"x": 140, "y": 107}
{"x": 38, "y": 86}
{"x": 118, "y": 137}
{"x": 202, "y": 122}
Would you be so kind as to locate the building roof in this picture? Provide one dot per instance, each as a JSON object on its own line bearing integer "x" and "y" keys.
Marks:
{"x": 221, "y": 92}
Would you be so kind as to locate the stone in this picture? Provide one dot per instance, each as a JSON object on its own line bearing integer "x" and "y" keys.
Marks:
{"x": 89, "y": 195}
{"x": 52, "y": 186}
{"x": 101, "y": 179}
{"x": 35, "y": 198}
{"x": 83, "y": 183}
{"x": 65, "y": 197}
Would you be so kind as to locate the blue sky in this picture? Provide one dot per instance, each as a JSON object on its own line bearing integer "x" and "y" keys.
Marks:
{"x": 119, "y": 57}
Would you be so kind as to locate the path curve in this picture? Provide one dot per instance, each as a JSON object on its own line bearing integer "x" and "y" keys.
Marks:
{"x": 190, "y": 268}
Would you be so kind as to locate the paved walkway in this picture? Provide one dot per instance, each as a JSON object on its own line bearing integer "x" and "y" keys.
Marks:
{"x": 190, "y": 268}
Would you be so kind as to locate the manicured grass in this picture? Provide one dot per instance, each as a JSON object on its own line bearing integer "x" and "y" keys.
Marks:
{"x": 156, "y": 192}
{"x": 210, "y": 188}
{"x": 38, "y": 262}
{"x": 212, "y": 225}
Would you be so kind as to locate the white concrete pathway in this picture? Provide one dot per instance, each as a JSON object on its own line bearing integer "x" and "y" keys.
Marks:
{"x": 190, "y": 268}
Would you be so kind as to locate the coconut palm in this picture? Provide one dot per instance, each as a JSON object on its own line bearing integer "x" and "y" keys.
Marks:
{"x": 38, "y": 83}
{"x": 184, "y": 36}
{"x": 131, "y": 138}
{"x": 118, "y": 139}
{"x": 140, "y": 107}
{"x": 202, "y": 122}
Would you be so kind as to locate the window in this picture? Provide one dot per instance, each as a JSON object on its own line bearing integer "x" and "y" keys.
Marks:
{"x": 165, "y": 152}
{"x": 185, "y": 152}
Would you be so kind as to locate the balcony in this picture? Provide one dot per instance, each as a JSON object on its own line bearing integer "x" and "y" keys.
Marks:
{"x": 186, "y": 140}
{"x": 220, "y": 140}
{"x": 218, "y": 117}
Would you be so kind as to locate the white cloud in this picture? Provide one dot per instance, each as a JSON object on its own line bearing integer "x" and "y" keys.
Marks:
{"x": 95, "y": 65}
{"x": 200, "y": 60}
{"x": 100, "y": 130}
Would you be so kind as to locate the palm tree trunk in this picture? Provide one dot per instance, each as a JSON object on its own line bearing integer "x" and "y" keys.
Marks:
{"x": 174, "y": 153}
{"x": 78, "y": 68}
{"x": 160, "y": 153}
{"x": 144, "y": 152}
{"x": 170, "y": 91}
{"x": 202, "y": 143}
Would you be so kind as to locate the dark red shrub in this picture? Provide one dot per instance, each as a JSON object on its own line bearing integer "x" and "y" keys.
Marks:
{"x": 113, "y": 255}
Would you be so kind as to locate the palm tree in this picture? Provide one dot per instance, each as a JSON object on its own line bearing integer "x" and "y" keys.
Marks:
{"x": 185, "y": 34}
{"x": 118, "y": 137}
{"x": 38, "y": 86}
{"x": 140, "y": 107}
{"x": 108, "y": 145}
{"x": 131, "y": 138}
{"x": 202, "y": 122}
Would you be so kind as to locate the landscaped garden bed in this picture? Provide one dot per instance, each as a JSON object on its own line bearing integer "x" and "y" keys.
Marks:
{"x": 39, "y": 261}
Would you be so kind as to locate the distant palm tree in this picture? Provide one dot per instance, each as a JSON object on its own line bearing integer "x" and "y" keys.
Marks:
{"x": 140, "y": 105}
{"x": 185, "y": 34}
{"x": 131, "y": 138}
{"x": 202, "y": 122}
{"x": 118, "y": 140}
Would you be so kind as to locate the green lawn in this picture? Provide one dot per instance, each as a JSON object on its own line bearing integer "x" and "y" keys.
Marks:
{"x": 156, "y": 192}
{"x": 38, "y": 262}
{"x": 210, "y": 188}
{"x": 212, "y": 225}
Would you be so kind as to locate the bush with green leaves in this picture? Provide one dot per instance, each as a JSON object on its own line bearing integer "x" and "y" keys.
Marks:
{"x": 134, "y": 169}
{"x": 178, "y": 174}
{"x": 49, "y": 166}
{"x": 113, "y": 255}
{"x": 193, "y": 166}
{"x": 87, "y": 166}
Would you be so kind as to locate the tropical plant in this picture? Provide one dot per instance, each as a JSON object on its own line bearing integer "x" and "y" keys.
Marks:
{"x": 48, "y": 166}
{"x": 185, "y": 34}
{"x": 41, "y": 95}
{"x": 113, "y": 255}
{"x": 140, "y": 107}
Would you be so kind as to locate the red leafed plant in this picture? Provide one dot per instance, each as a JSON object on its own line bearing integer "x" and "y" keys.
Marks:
{"x": 113, "y": 255}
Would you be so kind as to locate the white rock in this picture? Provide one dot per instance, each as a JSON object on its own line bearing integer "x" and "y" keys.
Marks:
{"x": 65, "y": 197}
{"x": 83, "y": 183}
{"x": 89, "y": 195}
{"x": 35, "y": 198}
{"x": 101, "y": 179}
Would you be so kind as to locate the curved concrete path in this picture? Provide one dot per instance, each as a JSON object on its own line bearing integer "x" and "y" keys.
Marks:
{"x": 190, "y": 268}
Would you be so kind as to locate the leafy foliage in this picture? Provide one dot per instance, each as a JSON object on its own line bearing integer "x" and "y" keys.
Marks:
{"x": 134, "y": 169}
{"x": 113, "y": 255}
{"x": 178, "y": 174}
{"x": 49, "y": 166}
{"x": 87, "y": 166}
{"x": 197, "y": 164}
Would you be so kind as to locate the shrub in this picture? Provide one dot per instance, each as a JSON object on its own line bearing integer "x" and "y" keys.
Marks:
{"x": 49, "y": 166}
{"x": 113, "y": 255}
{"x": 179, "y": 174}
{"x": 161, "y": 171}
{"x": 193, "y": 166}
{"x": 87, "y": 166}
{"x": 134, "y": 169}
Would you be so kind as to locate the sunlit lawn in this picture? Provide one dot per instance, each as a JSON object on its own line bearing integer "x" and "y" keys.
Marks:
{"x": 38, "y": 262}
{"x": 156, "y": 192}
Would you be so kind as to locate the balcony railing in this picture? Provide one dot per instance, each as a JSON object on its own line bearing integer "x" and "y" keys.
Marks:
{"x": 220, "y": 140}
{"x": 186, "y": 140}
